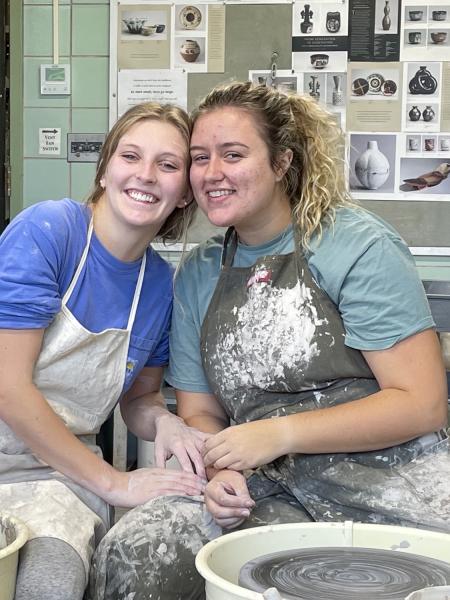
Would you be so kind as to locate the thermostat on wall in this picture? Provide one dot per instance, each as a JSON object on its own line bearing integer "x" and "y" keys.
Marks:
{"x": 55, "y": 79}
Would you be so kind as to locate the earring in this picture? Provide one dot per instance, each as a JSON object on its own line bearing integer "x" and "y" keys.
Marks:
{"x": 102, "y": 183}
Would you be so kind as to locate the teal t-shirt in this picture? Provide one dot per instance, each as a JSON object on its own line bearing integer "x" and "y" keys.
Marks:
{"x": 360, "y": 262}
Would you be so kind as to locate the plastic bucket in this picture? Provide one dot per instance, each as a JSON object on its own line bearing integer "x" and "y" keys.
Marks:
{"x": 13, "y": 535}
{"x": 440, "y": 592}
{"x": 220, "y": 561}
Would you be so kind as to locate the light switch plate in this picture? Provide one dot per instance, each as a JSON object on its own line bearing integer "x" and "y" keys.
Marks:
{"x": 84, "y": 147}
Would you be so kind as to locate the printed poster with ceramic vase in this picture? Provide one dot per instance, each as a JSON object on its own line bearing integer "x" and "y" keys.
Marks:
{"x": 374, "y": 30}
{"x": 198, "y": 37}
{"x": 372, "y": 163}
{"x": 374, "y": 97}
{"x": 425, "y": 145}
{"x": 422, "y": 85}
{"x": 425, "y": 30}
{"x": 320, "y": 36}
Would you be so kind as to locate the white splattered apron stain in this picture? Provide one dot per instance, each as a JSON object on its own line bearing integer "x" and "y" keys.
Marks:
{"x": 273, "y": 345}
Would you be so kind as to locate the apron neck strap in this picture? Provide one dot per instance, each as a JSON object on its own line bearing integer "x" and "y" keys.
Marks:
{"x": 73, "y": 283}
{"x": 230, "y": 244}
{"x": 229, "y": 249}
{"x": 137, "y": 292}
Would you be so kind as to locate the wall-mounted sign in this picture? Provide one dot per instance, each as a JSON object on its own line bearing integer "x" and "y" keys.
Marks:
{"x": 50, "y": 141}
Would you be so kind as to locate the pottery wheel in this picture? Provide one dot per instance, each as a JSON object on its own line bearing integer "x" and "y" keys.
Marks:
{"x": 343, "y": 573}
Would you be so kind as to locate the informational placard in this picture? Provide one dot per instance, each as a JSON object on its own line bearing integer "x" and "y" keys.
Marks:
{"x": 374, "y": 30}
{"x": 50, "y": 141}
{"x": 141, "y": 85}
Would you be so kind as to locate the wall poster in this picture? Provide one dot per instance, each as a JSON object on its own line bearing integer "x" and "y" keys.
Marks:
{"x": 381, "y": 67}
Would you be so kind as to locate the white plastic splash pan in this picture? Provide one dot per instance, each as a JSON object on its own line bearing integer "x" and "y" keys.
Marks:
{"x": 440, "y": 592}
{"x": 220, "y": 561}
{"x": 13, "y": 535}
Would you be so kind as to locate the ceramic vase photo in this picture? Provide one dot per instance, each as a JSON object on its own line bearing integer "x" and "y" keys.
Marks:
{"x": 372, "y": 167}
{"x": 337, "y": 96}
{"x": 423, "y": 82}
{"x": 307, "y": 25}
{"x": 190, "y": 50}
{"x": 386, "y": 22}
{"x": 314, "y": 87}
{"x": 428, "y": 114}
{"x": 333, "y": 22}
{"x": 414, "y": 114}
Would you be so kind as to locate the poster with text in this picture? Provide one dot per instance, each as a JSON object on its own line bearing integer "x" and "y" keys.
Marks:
{"x": 319, "y": 35}
{"x": 374, "y": 30}
{"x": 144, "y": 85}
{"x": 374, "y": 97}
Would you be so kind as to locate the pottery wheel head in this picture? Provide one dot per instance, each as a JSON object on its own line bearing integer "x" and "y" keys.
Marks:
{"x": 343, "y": 573}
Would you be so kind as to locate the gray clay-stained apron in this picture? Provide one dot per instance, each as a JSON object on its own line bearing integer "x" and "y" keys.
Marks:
{"x": 273, "y": 345}
{"x": 81, "y": 375}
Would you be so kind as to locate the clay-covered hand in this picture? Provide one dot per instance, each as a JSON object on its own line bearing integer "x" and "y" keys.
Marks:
{"x": 227, "y": 499}
{"x": 175, "y": 438}
{"x": 245, "y": 446}
{"x": 136, "y": 487}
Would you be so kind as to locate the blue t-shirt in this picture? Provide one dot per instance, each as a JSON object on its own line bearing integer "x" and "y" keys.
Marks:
{"x": 39, "y": 253}
{"x": 360, "y": 262}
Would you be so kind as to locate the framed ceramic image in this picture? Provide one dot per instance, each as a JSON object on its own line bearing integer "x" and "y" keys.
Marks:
{"x": 372, "y": 163}
{"x": 190, "y": 17}
{"x": 375, "y": 83}
{"x": 285, "y": 80}
{"x": 422, "y": 80}
{"x": 428, "y": 175}
{"x": 149, "y": 25}
{"x": 386, "y": 16}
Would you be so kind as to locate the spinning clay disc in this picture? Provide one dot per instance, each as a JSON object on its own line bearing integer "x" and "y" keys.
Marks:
{"x": 343, "y": 573}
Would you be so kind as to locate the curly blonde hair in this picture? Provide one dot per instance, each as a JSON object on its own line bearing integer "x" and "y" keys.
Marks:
{"x": 176, "y": 224}
{"x": 315, "y": 181}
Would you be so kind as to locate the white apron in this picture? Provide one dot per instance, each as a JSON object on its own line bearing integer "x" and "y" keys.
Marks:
{"x": 81, "y": 375}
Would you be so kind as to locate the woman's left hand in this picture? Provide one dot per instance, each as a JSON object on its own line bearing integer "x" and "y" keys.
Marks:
{"x": 245, "y": 446}
{"x": 175, "y": 438}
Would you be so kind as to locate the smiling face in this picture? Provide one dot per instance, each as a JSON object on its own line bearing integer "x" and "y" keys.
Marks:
{"x": 232, "y": 178}
{"x": 145, "y": 179}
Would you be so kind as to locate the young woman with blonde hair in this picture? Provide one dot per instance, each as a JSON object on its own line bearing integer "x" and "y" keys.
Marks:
{"x": 85, "y": 305}
{"x": 302, "y": 339}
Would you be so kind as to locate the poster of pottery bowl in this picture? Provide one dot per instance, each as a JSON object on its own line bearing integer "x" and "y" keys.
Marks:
{"x": 375, "y": 83}
{"x": 422, "y": 80}
{"x": 285, "y": 80}
{"x": 190, "y": 17}
{"x": 372, "y": 163}
{"x": 314, "y": 62}
{"x": 386, "y": 16}
{"x": 415, "y": 14}
{"x": 426, "y": 32}
{"x": 143, "y": 25}
{"x": 429, "y": 176}
{"x": 189, "y": 53}
{"x": 439, "y": 14}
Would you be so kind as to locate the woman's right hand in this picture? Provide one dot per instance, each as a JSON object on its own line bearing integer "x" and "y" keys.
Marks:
{"x": 133, "y": 488}
{"x": 227, "y": 499}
